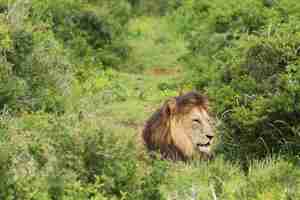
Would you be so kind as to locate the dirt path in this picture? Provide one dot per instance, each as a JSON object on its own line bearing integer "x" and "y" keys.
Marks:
{"x": 156, "y": 49}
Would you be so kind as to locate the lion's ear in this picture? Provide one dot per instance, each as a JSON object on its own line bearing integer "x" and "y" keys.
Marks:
{"x": 170, "y": 107}
{"x": 205, "y": 103}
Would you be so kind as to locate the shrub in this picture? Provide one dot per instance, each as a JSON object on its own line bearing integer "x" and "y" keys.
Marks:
{"x": 156, "y": 7}
{"x": 35, "y": 67}
{"x": 273, "y": 178}
{"x": 88, "y": 29}
{"x": 63, "y": 157}
{"x": 48, "y": 44}
{"x": 247, "y": 59}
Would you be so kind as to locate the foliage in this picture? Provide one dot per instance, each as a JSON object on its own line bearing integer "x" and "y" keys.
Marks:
{"x": 92, "y": 31}
{"x": 49, "y": 45}
{"x": 273, "y": 178}
{"x": 246, "y": 58}
{"x": 77, "y": 159}
{"x": 79, "y": 78}
{"x": 154, "y": 7}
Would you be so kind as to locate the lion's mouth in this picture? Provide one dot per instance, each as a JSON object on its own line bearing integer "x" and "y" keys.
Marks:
{"x": 205, "y": 148}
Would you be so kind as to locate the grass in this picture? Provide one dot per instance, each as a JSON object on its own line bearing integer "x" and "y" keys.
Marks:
{"x": 119, "y": 103}
{"x": 273, "y": 178}
{"x": 154, "y": 43}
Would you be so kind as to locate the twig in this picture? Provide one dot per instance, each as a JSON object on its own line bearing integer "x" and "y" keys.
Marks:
{"x": 213, "y": 192}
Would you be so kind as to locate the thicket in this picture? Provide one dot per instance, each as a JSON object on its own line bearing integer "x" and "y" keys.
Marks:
{"x": 61, "y": 83}
{"x": 45, "y": 157}
{"x": 268, "y": 179}
{"x": 55, "y": 54}
{"x": 49, "y": 46}
{"x": 154, "y": 7}
{"x": 245, "y": 55}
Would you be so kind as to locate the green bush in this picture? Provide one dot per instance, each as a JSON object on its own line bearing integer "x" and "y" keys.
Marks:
{"x": 36, "y": 73}
{"x": 88, "y": 29}
{"x": 270, "y": 179}
{"x": 68, "y": 122}
{"x": 50, "y": 157}
{"x": 154, "y": 7}
{"x": 246, "y": 58}
{"x": 49, "y": 44}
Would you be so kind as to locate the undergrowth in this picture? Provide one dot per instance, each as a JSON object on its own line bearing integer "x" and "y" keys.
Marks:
{"x": 78, "y": 79}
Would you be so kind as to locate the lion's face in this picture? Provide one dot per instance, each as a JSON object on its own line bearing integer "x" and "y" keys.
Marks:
{"x": 197, "y": 128}
{"x": 182, "y": 128}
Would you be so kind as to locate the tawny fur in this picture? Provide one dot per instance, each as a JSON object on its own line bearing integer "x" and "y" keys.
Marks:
{"x": 161, "y": 131}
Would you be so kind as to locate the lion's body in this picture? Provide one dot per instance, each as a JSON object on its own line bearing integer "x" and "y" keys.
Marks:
{"x": 170, "y": 129}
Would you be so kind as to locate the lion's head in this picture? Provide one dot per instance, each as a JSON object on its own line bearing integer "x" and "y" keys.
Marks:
{"x": 181, "y": 129}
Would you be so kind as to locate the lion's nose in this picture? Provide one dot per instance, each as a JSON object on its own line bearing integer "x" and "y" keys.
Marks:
{"x": 210, "y": 137}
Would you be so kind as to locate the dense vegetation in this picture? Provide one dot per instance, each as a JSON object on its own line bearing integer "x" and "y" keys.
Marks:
{"x": 246, "y": 57}
{"x": 79, "y": 77}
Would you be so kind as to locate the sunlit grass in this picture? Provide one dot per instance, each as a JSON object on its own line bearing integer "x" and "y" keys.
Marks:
{"x": 154, "y": 43}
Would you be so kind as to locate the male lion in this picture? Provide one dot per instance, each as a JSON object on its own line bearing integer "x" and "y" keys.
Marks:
{"x": 181, "y": 129}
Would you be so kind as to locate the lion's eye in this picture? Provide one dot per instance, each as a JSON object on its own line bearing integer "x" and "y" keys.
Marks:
{"x": 197, "y": 121}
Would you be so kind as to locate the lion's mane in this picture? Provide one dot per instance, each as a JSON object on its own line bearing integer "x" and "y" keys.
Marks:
{"x": 157, "y": 133}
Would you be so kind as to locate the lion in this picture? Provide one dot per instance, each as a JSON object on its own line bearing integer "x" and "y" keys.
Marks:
{"x": 181, "y": 129}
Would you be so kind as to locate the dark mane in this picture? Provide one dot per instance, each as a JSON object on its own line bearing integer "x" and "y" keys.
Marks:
{"x": 191, "y": 99}
{"x": 157, "y": 133}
